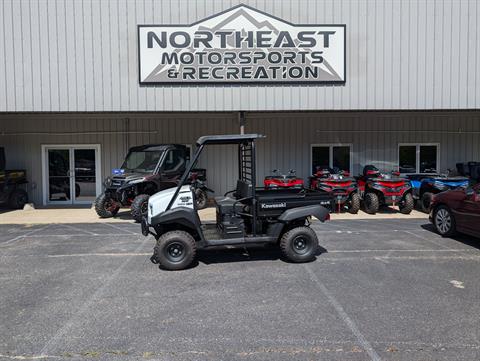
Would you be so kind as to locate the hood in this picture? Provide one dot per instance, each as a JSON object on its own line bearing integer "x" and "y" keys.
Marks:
{"x": 121, "y": 179}
{"x": 159, "y": 201}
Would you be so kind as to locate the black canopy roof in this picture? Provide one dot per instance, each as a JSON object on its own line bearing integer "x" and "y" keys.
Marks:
{"x": 228, "y": 138}
{"x": 155, "y": 147}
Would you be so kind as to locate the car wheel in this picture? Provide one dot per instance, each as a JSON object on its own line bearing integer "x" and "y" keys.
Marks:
{"x": 354, "y": 203}
{"x": 406, "y": 204}
{"x": 105, "y": 206}
{"x": 300, "y": 244}
{"x": 18, "y": 199}
{"x": 371, "y": 203}
{"x": 426, "y": 201}
{"x": 175, "y": 250}
{"x": 139, "y": 207}
{"x": 443, "y": 221}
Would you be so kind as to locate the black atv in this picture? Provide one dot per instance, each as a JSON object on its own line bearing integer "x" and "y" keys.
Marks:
{"x": 147, "y": 169}
{"x": 11, "y": 181}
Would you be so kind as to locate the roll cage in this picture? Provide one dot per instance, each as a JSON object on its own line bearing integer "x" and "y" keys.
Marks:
{"x": 246, "y": 164}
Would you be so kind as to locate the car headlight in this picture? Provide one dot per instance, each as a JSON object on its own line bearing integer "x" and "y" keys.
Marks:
{"x": 108, "y": 181}
{"x": 135, "y": 181}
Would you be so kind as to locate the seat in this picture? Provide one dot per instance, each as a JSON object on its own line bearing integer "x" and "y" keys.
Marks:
{"x": 229, "y": 205}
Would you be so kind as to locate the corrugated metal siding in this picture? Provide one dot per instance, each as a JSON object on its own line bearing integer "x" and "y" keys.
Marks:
{"x": 65, "y": 55}
{"x": 115, "y": 133}
{"x": 374, "y": 135}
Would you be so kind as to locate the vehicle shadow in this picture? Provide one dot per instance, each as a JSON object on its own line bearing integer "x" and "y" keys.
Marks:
{"x": 124, "y": 215}
{"x": 466, "y": 240}
{"x": 240, "y": 254}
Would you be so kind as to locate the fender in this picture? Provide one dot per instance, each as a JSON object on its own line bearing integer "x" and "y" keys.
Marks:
{"x": 183, "y": 216}
{"x": 318, "y": 211}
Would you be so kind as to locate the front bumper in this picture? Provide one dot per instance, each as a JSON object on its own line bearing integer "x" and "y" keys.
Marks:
{"x": 393, "y": 199}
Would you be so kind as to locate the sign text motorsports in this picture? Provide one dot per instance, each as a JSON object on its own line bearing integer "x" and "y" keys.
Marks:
{"x": 241, "y": 45}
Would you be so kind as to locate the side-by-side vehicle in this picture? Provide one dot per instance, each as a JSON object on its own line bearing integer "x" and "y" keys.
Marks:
{"x": 246, "y": 215}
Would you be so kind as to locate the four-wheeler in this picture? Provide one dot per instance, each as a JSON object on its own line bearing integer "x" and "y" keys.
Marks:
{"x": 377, "y": 189}
{"x": 11, "y": 182}
{"x": 457, "y": 210}
{"x": 197, "y": 180}
{"x": 339, "y": 183}
{"x": 279, "y": 181}
{"x": 426, "y": 185}
{"x": 246, "y": 215}
{"x": 146, "y": 170}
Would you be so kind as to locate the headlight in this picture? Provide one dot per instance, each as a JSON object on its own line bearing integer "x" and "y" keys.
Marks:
{"x": 135, "y": 181}
{"x": 108, "y": 181}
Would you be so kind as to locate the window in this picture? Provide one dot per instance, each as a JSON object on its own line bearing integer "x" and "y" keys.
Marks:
{"x": 189, "y": 151}
{"x": 174, "y": 160}
{"x": 418, "y": 158}
{"x": 331, "y": 156}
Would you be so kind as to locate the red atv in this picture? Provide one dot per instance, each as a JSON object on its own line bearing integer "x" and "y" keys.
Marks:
{"x": 378, "y": 189}
{"x": 282, "y": 181}
{"x": 338, "y": 183}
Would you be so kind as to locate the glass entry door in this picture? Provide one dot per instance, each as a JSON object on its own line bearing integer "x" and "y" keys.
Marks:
{"x": 72, "y": 174}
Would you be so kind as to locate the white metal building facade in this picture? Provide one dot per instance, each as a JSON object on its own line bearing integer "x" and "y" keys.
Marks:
{"x": 69, "y": 76}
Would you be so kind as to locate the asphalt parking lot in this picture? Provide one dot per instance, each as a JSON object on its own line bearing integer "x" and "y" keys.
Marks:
{"x": 382, "y": 290}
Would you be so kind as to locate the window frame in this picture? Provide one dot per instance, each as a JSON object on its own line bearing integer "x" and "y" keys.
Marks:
{"x": 330, "y": 153}
{"x": 417, "y": 155}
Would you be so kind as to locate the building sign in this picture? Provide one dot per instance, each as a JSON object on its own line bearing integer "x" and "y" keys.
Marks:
{"x": 241, "y": 45}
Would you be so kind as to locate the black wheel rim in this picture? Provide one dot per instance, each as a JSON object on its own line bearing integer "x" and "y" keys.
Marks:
{"x": 175, "y": 252}
{"x": 144, "y": 208}
{"x": 301, "y": 245}
{"x": 110, "y": 205}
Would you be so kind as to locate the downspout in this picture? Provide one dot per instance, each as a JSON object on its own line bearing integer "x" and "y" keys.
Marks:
{"x": 241, "y": 121}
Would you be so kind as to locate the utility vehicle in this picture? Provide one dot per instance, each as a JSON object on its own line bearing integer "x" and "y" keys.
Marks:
{"x": 339, "y": 183}
{"x": 246, "y": 215}
{"x": 278, "y": 180}
{"x": 377, "y": 189}
{"x": 426, "y": 185}
{"x": 146, "y": 170}
{"x": 11, "y": 181}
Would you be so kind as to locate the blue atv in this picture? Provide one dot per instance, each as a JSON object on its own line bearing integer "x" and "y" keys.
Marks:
{"x": 426, "y": 185}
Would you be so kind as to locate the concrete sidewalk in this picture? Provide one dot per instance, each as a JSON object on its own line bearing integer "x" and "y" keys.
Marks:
{"x": 88, "y": 215}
